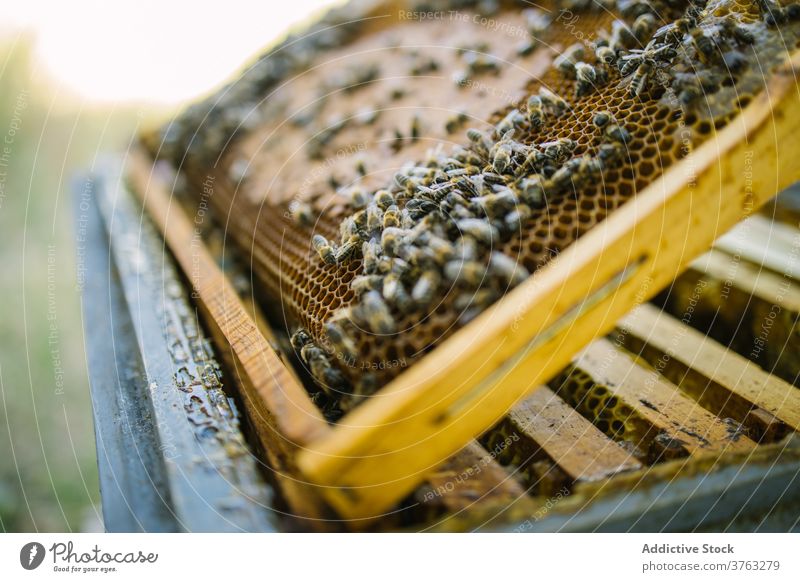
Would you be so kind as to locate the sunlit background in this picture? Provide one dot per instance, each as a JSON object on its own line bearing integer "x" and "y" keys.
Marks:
{"x": 78, "y": 79}
{"x": 147, "y": 50}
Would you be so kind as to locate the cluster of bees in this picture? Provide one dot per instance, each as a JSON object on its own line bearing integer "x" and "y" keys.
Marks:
{"x": 436, "y": 228}
{"x": 708, "y": 45}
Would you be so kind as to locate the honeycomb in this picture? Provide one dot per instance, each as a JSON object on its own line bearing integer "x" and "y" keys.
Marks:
{"x": 274, "y": 159}
{"x": 609, "y": 414}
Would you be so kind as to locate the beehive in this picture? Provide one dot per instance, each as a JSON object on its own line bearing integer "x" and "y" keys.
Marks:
{"x": 298, "y": 128}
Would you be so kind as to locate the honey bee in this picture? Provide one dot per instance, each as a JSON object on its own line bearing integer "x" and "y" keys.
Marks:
{"x": 515, "y": 220}
{"x": 536, "y": 111}
{"x": 536, "y": 20}
{"x": 302, "y": 214}
{"x": 357, "y": 198}
{"x": 395, "y": 293}
{"x": 495, "y": 205}
{"x": 415, "y": 122}
{"x": 360, "y": 221}
{"x": 366, "y": 116}
{"x": 688, "y": 88}
{"x": 526, "y": 47}
{"x": 341, "y": 341}
{"x": 705, "y": 45}
{"x": 480, "y": 230}
{"x": 672, "y": 34}
{"x": 324, "y": 249}
{"x": 609, "y": 154}
{"x": 364, "y": 283}
{"x": 361, "y": 167}
{"x": 391, "y": 217}
{"x": 566, "y": 61}
{"x": 471, "y": 273}
{"x": 299, "y": 338}
{"x": 425, "y": 288}
{"x": 733, "y": 28}
{"x": 374, "y": 217}
{"x": 454, "y": 122}
{"x": 384, "y": 199}
{"x": 371, "y": 252}
{"x": 417, "y": 208}
{"x": 531, "y": 191}
{"x": 617, "y": 133}
{"x": 347, "y": 228}
{"x": 605, "y": 54}
{"x": 502, "y": 154}
{"x": 466, "y": 249}
{"x": 586, "y": 76}
{"x": 555, "y": 103}
{"x": 328, "y": 377}
{"x": 506, "y": 269}
{"x": 734, "y": 61}
{"x": 480, "y": 142}
{"x": 461, "y": 78}
{"x": 622, "y": 36}
{"x": 441, "y": 250}
{"x": 375, "y": 314}
{"x": 641, "y": 79}
{"x": 348, "y": 249}
{"x": 602, "y": 119}
{"x": 534, "y": 158}
{"x": 643, "y": 26}
{"x": 392, "y": 239}
{"x": 513, "y": 120}
{"x": 452, "y": 201}
{"x": 479, "y": 62}
{"x": 559, "y": 150}
{"x": 633, "y": 8}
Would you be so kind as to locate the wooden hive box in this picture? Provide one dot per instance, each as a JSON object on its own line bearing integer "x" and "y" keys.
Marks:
{"x": 253, "y": 152}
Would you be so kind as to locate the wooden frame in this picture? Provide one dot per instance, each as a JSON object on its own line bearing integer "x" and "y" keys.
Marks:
{"x": 379, "y": 452}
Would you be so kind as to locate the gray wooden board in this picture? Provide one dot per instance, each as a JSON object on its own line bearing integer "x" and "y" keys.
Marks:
{"x": 131, "y": 470}
{"x": 172, "y": 419}
{"x": 747, "y": 497}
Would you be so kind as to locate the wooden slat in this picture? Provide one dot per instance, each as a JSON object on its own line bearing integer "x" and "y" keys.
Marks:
{"x": 469, "y": 382}
{"x": 764, "y": 242}
{"x": 750, "y": 278}
{"x": 297, "y": 418}
{"x": 706, "y": 365}
{"x": 658, "y": 401}
{"x": 750, "y": 309}
{"x": 470, "y": 478}
{"x": 582, "y": 451}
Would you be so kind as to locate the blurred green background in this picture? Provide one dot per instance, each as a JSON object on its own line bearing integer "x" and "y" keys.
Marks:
{"x": 48, "y": 476}
{"x": 78, "y": 79}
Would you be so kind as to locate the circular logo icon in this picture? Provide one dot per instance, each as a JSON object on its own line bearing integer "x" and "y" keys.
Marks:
{"x": 31, "y": 555}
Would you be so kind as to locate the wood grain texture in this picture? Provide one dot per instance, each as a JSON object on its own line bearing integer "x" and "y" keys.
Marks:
{"x": 576, "y": 445}
{"x": 695, "y": 359}
{"x": 658, "y": 401}
{"x": 279, "y": 408}
{"x": 470, "y": 478}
